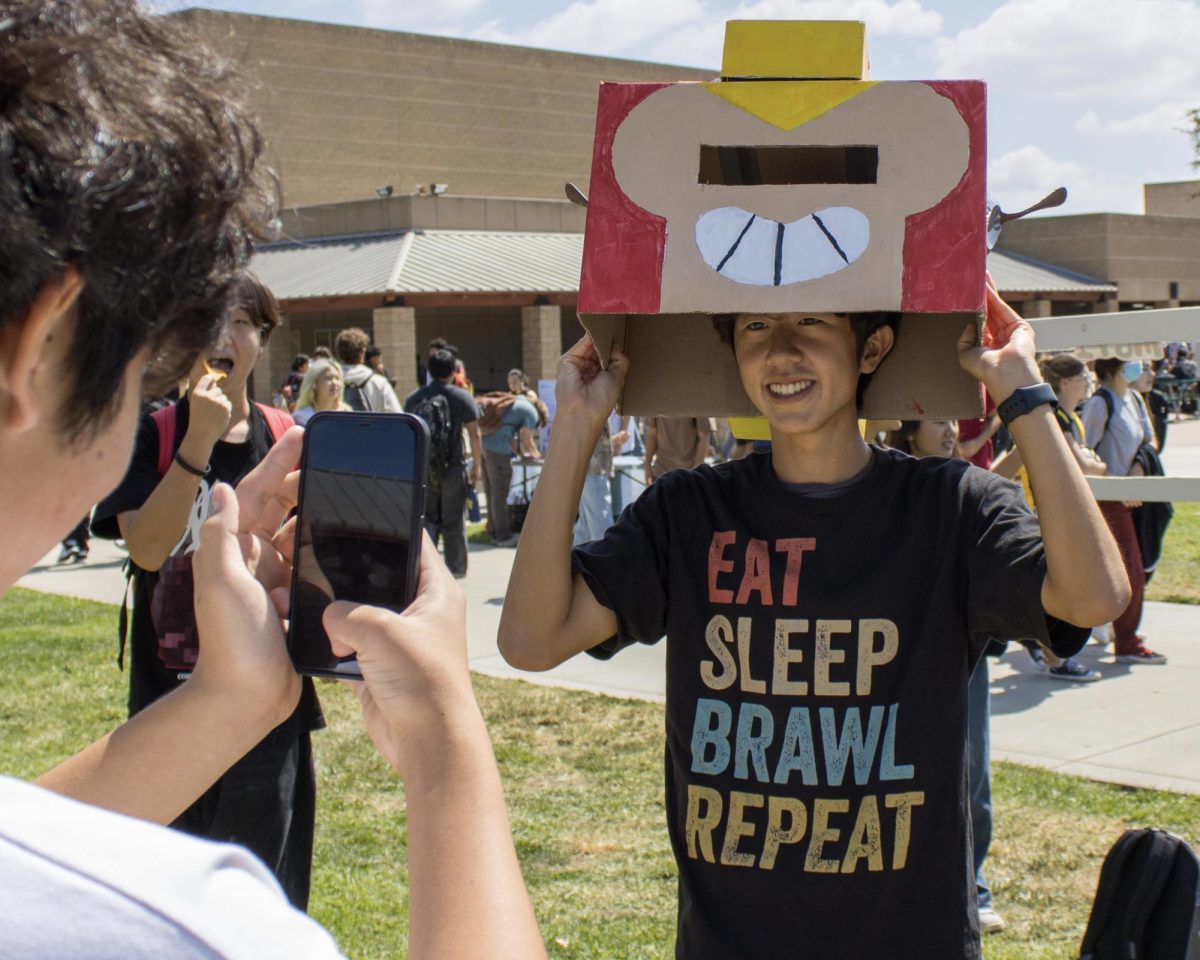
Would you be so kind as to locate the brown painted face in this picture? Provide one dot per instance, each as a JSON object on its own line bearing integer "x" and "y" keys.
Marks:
{"x": 761, "y": 215}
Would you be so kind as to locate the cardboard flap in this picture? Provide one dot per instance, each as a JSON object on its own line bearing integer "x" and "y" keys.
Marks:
{"x": 678, "y": 367}
{"x": 921, "y": 378}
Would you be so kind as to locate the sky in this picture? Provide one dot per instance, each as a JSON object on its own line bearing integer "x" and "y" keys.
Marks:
{"x": 1088, "y": 94}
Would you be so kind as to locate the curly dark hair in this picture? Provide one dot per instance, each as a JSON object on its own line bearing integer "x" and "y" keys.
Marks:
{"x": 864, "y": 324}
{"x": 125, "y": 155}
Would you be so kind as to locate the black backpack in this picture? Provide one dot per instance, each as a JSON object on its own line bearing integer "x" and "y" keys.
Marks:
{"x": 1147, "y": 903}
{"x": 355, "y": 395}
{"x": 1151, "y": 519}
{"x": 434, "y": 409}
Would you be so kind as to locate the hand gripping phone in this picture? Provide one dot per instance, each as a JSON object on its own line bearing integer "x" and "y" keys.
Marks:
{"x": 358, "y": 525}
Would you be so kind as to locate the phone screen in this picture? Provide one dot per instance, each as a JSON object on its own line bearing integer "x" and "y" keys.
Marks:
{"x": 358, "y": 525}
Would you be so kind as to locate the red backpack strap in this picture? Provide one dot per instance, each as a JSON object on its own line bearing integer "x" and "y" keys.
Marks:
{"x": 164, "y": 419}
{"x": 278, "y": 420}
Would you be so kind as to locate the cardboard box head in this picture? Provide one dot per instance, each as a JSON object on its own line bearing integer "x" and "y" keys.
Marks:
{"x": 793, "y": 183}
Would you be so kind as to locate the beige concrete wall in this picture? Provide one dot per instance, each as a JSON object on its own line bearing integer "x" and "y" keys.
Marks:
{"x": 1142, "y": 254}
{"x": 1180, "y": 198}
{"x": 347, "y": 109}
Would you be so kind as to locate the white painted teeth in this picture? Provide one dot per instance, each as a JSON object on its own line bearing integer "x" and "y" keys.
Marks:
{"x": 751, "y": 249}
{"x": 787, "y": 389}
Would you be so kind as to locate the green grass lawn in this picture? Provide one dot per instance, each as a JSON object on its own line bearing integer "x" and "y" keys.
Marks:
{"x": 584, "y": 782}
{"x": 1177, "y": 578}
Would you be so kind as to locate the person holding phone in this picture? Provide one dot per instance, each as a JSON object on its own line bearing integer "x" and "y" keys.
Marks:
{"x": 118, "y": 255}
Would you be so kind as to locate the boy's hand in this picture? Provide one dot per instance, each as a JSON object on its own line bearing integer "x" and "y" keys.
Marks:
{"x": 414, "y": 664}
{"x": 1007, "y": 359}
{"x": 242, "y": 572}
{"x": 584, "y": 386}
{"x": 209, "y": 411}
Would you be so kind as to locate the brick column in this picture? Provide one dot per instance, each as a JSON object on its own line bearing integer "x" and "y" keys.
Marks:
{"x": 541, "y": 341}
{"x": 396, "y": 336}
{"x": 1033, "y": 309}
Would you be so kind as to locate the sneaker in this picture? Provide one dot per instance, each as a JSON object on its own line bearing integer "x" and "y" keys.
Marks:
{"x": 1071, "y": 669}
{"x": 1142, "y": 654}
{"x": 67, "y": 554}
{"x": 509, "y": 541}
{"x": 989, "y": 920}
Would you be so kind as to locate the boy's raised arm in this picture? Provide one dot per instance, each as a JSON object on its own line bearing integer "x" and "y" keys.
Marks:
{"x": 549, "y": 616}
{"x": 1085, "y": 581}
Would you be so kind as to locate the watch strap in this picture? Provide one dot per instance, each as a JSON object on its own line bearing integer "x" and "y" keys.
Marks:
{"x": 1025, "y": 399}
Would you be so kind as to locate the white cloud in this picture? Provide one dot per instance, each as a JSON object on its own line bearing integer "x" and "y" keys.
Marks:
{"x": 1141, "y": 51}
{"x": 692, "y": 31}
{"x": 1165, "y": 118}
{"x": 1023, "y": 176}
{"x": 442, "y": 16}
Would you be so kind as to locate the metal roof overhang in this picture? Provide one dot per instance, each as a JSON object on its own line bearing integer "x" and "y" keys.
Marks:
{"x": 499, "y": 268}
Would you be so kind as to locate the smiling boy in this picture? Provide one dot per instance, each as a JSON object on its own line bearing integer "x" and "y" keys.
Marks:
{"x": 267, "y": 800}
{"x": 824, "y": 605}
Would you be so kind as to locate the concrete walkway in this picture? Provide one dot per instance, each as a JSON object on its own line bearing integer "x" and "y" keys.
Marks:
{"x": 1139, "y": 726}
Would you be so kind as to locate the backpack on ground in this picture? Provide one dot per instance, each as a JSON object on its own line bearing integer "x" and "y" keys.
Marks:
{"x": 434, "y": 409}
{"x": 355, "y": 395}
{"x": 492, "y": 408}
{"x": 1147, "y": 903}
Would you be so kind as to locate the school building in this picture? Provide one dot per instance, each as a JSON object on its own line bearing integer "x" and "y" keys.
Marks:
{"x": 423, "y": 179}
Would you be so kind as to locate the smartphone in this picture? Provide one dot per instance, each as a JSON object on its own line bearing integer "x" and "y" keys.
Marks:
{"x": 358, "y": 525}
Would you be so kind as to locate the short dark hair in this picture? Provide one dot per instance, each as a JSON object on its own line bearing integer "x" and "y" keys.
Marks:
{"x": 322, "y": 353}
{"x": 864, "y": 324}
{"x": 253, "y": 296}
{"x": 1109, "y": 367}
{"x": 298, "y": 361}
{"x": 126, "y": 155}
{"x": 441, "y": 364}
{"x": 350, "y": 345}
{"x": 373, "y": 351}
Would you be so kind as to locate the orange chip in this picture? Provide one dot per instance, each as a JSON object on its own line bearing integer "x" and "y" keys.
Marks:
{"x": 217, "y": 375}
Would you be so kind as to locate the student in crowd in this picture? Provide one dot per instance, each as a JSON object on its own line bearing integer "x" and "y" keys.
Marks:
{"x": 514, "y": 435}
{"x": 446, "y": 496}
{"x": 826, "y": 594}
{"x": 289, "y": 390}
{"x": 1116, "y": 423}
{"x": 120, "y": 250}
{"x": 675, "y": 443}
{"x": 214, "y": 434}
{"x": 363, "y": 388}
{"x": 321, "y": 389}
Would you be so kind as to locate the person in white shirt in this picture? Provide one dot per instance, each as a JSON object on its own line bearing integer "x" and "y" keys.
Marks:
{"x": 137, "y": 189}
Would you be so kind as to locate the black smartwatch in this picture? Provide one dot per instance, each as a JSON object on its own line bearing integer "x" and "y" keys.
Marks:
{"x": 1024, "y": 399}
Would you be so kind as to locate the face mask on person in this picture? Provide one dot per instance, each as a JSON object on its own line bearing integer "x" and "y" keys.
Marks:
{"x": 1132, "y": 370}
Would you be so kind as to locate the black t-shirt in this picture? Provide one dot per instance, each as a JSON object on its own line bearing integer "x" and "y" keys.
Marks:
{"x": 463, "y": 410}
{"x": 162, "y": 634}
{"x": 817, "y": 663}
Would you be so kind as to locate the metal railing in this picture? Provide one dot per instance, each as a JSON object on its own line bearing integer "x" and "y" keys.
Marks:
{"x": 1123, "y": 335}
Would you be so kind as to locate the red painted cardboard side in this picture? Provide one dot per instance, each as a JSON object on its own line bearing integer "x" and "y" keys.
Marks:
{"x": 941, "y": 277}
{"x": 623, "y": 244}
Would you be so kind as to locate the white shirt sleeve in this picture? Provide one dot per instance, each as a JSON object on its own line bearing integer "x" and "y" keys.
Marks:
{"x": 77, "y": 881}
